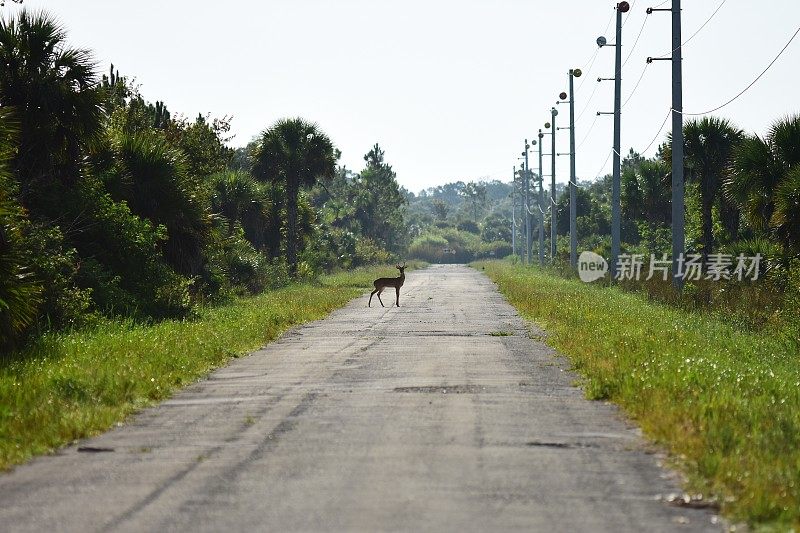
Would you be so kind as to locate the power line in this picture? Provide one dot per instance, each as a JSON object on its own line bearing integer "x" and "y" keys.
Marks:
{"x": 588, "y": 131}
{"x": 589, "y": 101}
{"x": 684, "y": 43}
{"x": 635, "y": 86}
{"x": 657, "y": 134}
{"x": 633, "y": 4}
{"x": 599, "y": 170}
{"x": 590, "y": 62}
{"x": 751, "y": 83}
{"x": 586, "y": 74}
{"x": 636, "y": 41}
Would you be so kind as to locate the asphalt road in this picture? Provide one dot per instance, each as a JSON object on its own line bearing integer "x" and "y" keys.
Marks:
{"x": 443, "y": 415}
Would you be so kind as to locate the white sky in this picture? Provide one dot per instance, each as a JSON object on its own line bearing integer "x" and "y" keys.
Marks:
{"x": 448, "y": 88}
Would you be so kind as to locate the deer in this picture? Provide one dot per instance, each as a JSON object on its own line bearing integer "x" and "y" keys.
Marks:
{"x": 382, "y": 283}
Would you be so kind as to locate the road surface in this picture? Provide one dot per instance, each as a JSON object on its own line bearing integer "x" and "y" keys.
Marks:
{"x": 443, "y": 415}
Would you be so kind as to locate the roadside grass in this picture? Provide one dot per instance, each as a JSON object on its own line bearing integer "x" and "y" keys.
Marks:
{"x": 724, "y": 402}
{"x": 72, "y": 385}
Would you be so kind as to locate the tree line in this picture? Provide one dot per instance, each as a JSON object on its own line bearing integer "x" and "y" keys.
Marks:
{"x": 742, "y": 195}
{"x": 113, "y": 206}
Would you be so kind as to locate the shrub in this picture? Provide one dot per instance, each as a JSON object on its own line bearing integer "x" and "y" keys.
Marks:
{"x": 428, "y": 247}
{"x": 469, "y": 226}
{"x": 369, "y": 252}
{"x": 126, "y": 272}
{"x": 234, "y": 264}
{"x": 19, "y": 294}
{"x": 496, "y": 249}
{"x": 64, "y": 303}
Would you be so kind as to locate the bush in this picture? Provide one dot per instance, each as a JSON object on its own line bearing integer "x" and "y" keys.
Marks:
{"x": 496, "y": 250}
{"x": 19, "y": 294}
{"x": 428, "y": 247}
{"x": 369, "y": 252}
{"x": 469, "y": 226}
{"x": 152, "y": 178}
{"x": 126, "y": 272}
{"x": 234, "y": 264}
{"x": 331, "y": 248}
{"x": 64, "y": 303}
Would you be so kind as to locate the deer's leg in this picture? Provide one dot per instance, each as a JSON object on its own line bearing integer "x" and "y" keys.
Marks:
{"x": 370, "y": 298}
{"x": 397, "y": 289}
{"x": 379, "y": 298}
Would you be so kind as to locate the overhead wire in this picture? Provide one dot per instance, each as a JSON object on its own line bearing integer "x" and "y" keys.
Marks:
{"x": 630, "y": 11}
{"x": 599, "y": 170}
{"x": 636, "y": 41}
{"x": 635, "y": 87}
{"x": 589, "y": 101}
{"x": 660, "y": 129}
{"x": 684, "y": 43}
{"x": 588, "y": 131}
{"x": 589, "y": 63}
{"x": 751, "y": 83}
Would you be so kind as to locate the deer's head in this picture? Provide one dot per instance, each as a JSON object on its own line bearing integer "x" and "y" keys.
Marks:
{"x": 402, "y": 268}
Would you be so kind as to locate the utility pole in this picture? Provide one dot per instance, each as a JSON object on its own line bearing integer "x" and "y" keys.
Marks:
{"x": 514, "y": 212}
{"x": 622, "y": 7}
{"x": 573, "y": 207}
{"x": 526, "y": 170}
{"x": 541, "y": 203}
{"x": 616, "y": 180}
{"x": 553, "y": 216}
{"x": 678, "y": 228}
{"x": 678, "y": 238}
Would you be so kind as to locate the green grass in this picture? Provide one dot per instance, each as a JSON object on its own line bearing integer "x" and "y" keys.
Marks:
{"x": 724, "y": 402}
{"x": 69, "y": 386}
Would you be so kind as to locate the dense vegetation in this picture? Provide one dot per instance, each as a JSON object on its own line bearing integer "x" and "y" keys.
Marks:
{"x": 112, "y": 206}
{"x": 460, "y": 222}
{"x": 742, "y": 197}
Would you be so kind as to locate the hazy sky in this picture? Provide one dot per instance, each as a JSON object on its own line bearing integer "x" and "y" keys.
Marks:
{"x": 448, "y": 88}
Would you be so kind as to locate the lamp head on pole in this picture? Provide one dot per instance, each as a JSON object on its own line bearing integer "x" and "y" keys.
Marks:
{"x": 623, "y": 7}
{"x": 576, "y": 72}
{"x": 602, "y": 41}
{"x": 563, "y": 96}
{"x": 546, "y": 125}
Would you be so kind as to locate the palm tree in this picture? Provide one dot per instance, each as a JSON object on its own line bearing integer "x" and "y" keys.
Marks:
{"x": 243, "y": 200}
{"x": 151, "y": 177}
{"x": 19, "y": 295}
{"x": 764, "y": 180}
{"x": 646, "y": 195}
{"x": 708, "y": 145}
{"x": 234, "y": 193}
{"x": 296, "y": 153}
{"x": 56, "y": 99}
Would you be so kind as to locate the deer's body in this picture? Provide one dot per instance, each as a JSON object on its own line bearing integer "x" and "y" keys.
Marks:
{"x": 382, "y": 283}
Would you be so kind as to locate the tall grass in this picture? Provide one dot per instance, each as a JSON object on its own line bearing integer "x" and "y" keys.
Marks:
{"x": 69, "y": 386}
{"x": 724, "y": 401}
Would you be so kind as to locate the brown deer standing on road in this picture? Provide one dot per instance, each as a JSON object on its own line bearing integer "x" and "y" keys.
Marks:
{"x": 382, "y": 283}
